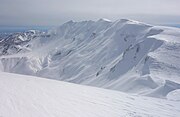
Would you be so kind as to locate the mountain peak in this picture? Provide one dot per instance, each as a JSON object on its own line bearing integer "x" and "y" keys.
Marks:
{"x": 104, "y": 20}
{"x": 69, "y": 22}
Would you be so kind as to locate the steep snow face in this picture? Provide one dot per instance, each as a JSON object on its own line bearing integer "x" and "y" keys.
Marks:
{"x": 27, "y": 96}
{"x": 123, "y": 55}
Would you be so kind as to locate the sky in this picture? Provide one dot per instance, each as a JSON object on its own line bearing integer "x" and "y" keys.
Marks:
{"x": 56, "y": 12}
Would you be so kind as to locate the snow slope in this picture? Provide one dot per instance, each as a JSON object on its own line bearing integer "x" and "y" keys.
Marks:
{"x": 124, "y": 55}
{"x": 28, "y": 96}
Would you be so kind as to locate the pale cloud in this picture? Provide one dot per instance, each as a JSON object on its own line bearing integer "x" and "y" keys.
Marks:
{"x": 55, "y": 12}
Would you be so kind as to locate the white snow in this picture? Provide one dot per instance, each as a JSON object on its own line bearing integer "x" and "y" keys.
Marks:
{"x": 124, "y": 55}
{"x": 28, "y": 96}
{"x": 174, "y": 95}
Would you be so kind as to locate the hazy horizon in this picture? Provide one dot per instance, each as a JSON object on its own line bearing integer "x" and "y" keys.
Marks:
{"x": 56, "y": 12}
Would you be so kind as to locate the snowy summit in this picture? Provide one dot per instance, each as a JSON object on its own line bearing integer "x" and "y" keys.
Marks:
{"x": 138, "y": 62}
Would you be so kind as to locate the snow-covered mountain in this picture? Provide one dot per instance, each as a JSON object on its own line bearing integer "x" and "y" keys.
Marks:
{"x": 124, "y": 55}
{"x": 27, "y": 96}
{"x": 18, "y": 42}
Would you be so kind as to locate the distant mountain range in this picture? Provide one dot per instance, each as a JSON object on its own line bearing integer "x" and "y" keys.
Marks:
{"x": 14, "y": 29}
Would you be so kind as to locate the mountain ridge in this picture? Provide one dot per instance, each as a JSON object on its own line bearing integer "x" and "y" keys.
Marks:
{"x": 123, "y": 55}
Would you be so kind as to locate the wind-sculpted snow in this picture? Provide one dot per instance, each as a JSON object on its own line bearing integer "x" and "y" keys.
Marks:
{"x": 123, "y": 55}
{"x": 28, "y": 96}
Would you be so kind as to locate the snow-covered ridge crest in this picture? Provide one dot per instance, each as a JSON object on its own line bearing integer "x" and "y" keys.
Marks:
{"x": 123, "y": 55}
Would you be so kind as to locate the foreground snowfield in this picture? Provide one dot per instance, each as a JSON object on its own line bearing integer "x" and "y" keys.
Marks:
{"x": 28, "y": 96}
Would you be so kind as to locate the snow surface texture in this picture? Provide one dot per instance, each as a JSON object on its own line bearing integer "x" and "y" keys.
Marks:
{"x": 28, "y": 96}
{"x": 124, "y": 55}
